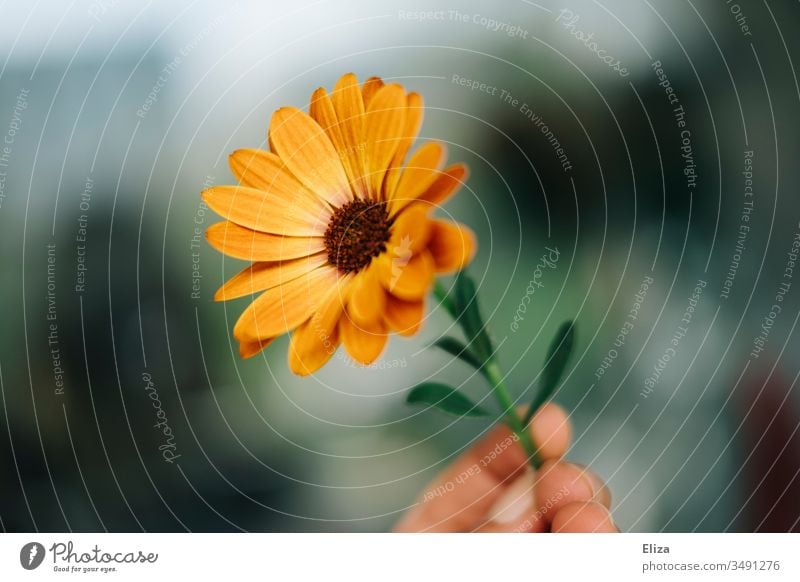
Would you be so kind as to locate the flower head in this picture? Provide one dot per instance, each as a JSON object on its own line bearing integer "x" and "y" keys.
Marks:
{"x": 338, "y": 225}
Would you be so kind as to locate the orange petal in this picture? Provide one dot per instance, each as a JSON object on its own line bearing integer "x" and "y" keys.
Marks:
{"x": 309, "y": 154}
{"x": 349, "y": 106}
{"x": 364, "y": 344}
{"x": 368, "y": 298}
{"x": 369, "y": 89}
{"x": 404, "y": 317}
{"x": 420, "y": 173}
{"x": 264, "y": 275}
{"x": 274, "y": 212}
{"x": 242, "y": 243}
{"x": 315, "y": 341}
{"x": 282, "y": 308}
{"x": 414, "y": 112}
{"x": 265, "y": 171}
{"x": 323, "y": 112}
{"x": 452, "y": 245}
{"x": 410, "y": 231}
{"x": 250, "y": 349}
{"x": 415, "y": 108}
{"x": 449, "y": 180}
{"x": 383, "y": 127}
{"x": 406, "y": 276}
{"x": 308, "y": 352}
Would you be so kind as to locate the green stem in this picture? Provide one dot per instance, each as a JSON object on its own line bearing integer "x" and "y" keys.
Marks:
{"x": 491, "y": 371}
{"x": 494, "y": 375}
{"x": 441, "y": 295}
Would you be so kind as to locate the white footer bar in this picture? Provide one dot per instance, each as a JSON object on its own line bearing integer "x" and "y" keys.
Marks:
{"x": 415, "y": 557}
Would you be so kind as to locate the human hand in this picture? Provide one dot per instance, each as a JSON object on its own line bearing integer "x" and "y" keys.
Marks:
{"x": 491, "y": 488}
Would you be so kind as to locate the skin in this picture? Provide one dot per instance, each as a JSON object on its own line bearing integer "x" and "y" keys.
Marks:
{"x": 476, "y": 492}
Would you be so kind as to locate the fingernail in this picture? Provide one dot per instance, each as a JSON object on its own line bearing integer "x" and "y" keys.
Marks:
{"x": 516, "y": 500}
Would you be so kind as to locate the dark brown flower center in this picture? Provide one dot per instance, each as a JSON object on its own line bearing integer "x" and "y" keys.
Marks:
{"x": 357, "y": 232}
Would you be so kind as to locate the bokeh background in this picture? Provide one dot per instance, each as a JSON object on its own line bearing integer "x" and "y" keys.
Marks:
{"x": 115, "y": 114}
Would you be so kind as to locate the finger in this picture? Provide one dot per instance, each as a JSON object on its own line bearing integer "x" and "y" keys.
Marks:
{"x": 501, "y": 453}
{"x": 462, "y": 496}
{"x": 463, "y": 493}
{"x": 556, "y": 485}
{"x": 602, "y": 494}
{"x": 583, "y": 517}
{"x": 560, "y": 483}
{"x": 551, "y": 431}
{"x": 514, "y": 510}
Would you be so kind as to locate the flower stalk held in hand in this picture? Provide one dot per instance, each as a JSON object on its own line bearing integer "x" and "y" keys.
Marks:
{"x": 337, "y": 221}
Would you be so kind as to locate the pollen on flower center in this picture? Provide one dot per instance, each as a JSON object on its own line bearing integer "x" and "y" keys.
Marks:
{"x": 357, "y": 232}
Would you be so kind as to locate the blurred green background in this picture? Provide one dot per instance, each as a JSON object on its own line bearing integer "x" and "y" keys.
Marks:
{"x": 116, "y": 114}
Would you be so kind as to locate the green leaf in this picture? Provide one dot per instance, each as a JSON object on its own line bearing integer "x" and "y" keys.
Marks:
{"x": 456, "y": 348}
{"x": 446, "y": 399}
{"x": 557, "y": 358}
{"x": 469, "y": 316}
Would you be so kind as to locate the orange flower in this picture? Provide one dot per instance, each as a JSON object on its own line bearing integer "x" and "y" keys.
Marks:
{"x": 339, "y": 231}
